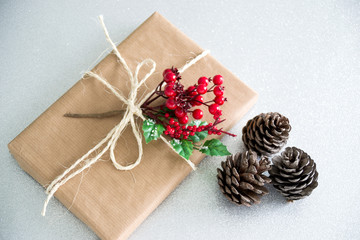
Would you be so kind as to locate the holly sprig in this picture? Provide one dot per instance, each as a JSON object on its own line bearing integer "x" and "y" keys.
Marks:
{"x": 185, "y": 147}
{"x": 152, "y": 130}
{"x": 171, "y": 118}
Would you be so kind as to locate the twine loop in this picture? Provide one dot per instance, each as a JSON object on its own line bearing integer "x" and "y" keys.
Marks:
{"x": 133, "y": 108}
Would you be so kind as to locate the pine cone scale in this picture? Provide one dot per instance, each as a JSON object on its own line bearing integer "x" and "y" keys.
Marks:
{"x": 244, "y": 199}
{"x": 227, "y": 190}
{"x": 246, "y": 186}
{"x": 266, "y": 179}
{"x": 263, "y": 190}
{"x": 235, "y": 174}
{"x": 252, "y": 196}
{"x": 235, "y": 182}
{"x": 234, "y": 191}
{"x": 219, "y": 175}
{"x": 228, "y": 180}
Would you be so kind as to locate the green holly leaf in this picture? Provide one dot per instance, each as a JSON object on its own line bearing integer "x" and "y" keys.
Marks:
{"x": 152, "y": 131}
{"x": 183, "y": 147}
{"x": 214, "y": 147}
{"x": 198, "y": 135}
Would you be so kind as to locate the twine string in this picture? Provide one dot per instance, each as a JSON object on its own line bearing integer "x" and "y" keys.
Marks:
{"x": 132, "y": 109}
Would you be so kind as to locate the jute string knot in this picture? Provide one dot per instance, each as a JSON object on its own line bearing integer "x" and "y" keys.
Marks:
{"x": 133, "y": 108}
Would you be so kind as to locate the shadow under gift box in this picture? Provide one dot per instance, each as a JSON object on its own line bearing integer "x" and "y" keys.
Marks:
{"x": 112, "y": 202}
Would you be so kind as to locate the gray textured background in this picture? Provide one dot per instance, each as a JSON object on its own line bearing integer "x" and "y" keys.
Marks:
{"x": 303, "y": 57}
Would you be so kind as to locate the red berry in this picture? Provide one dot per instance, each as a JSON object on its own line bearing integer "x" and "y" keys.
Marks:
{"x": 218, "y": 133}
{"x": 218, "y": 80}
{"x": 171, "y": 121}
{"x": 218, "y": 91}
{"x": 192, "y": 133}
{"x": 167, "y": 115}
{"x": 169, "y": 91}
{"x": 170, "y": 84}
{"x": 166, "y": 132}
{"x": 209, "y": 132}
{"x": 190, "y": 89}
{"x": 203, "y": 80}
{"x": 185, "y": 137}
{"x": 194, "y": 93}
{"x": 170, "y": 103}
{"x": 213, "y": 108}
{"x": 166, "y": 71}
{"x": 183, "y": 127}
{"x": 219, "y": 100}
{"x": 184, "y": 119}
{"x": 197, "y": 100}
{"x": 217, "y": 114}
{"x": 201, "y": 89}
{"x": 185, "y": 133}
{"x": 170, "y": 77}
{"x": 171, "y": 131}
{"x": 198, "y": 114}
{"x": 179, "y": 112}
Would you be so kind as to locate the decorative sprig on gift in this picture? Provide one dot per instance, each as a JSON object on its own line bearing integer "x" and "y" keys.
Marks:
{"x": 172, "y": 117}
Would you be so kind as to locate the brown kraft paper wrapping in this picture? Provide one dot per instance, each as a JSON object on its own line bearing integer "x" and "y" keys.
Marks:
{"x": 112, "y": 202}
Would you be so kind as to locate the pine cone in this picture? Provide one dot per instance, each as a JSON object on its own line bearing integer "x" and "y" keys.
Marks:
{"x": 294, "y": 174}
{"x": 266, "y": 133}
{"x": 241, "y": 179}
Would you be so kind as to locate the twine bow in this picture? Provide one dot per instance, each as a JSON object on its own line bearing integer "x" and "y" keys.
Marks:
{"x": 132, "y": 109}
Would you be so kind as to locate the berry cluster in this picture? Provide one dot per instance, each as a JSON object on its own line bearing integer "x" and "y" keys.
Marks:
{"x": 182, "y": 103}
{"x": 175, "y": 130}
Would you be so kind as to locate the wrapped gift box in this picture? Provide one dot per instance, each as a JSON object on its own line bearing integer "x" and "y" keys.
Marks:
{"x": 112, "y": 202}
